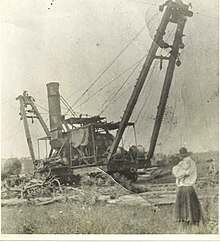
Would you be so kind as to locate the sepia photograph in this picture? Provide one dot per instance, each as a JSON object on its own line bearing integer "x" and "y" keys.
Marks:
{"x": 109, "y": 117}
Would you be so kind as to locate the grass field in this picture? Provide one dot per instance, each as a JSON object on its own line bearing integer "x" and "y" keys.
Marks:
{"x": 98, "y": 218}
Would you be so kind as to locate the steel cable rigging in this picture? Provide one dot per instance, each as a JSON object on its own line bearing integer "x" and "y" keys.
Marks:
{"x": 167, "y": 137}
{"x": 149, "y": 97}
{"x": 161, "y": 50}
{"x": 150, "y": 85}
{"x": 154, "y": 4}
{"x": 129, "y": 86}
{"x": 111, "y": 63}
{"x": 109, "y": 83}
{"x": 108, "y": 100}
{"x": 199, "y": 88}
{"x": 67, "y": 106}
{"x": 45, "y": 102}
{"x": 177, "y": 99}
{"x": 145, "y": 87}
{"x": 112, "y": 99}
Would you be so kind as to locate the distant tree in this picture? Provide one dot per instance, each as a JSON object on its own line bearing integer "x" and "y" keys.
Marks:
{"x": 11, "y": 166}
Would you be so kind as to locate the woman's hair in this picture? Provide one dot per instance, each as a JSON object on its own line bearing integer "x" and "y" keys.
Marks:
{"x": 183, "y": 150}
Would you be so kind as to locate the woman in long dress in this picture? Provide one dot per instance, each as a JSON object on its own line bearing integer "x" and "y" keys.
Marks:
{"x": 187, "y": 206}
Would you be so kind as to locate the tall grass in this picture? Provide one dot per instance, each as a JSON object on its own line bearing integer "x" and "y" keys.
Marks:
{"x": 96, "y": 218}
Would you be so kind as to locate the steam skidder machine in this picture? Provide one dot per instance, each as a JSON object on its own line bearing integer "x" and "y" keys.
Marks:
{"x": 80, "y": 143}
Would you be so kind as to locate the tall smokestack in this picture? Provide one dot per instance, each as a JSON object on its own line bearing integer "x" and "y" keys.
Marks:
{"x": 54, "y": 109}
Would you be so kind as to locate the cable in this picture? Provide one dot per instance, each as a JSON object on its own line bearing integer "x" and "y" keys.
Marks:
{"x": 114, "y": 79}
{"x": 151, "y": 4}
{"x": 109, "y": 98}
{"x": 41, "y": 107}
{"x": 120, "y": 53}
{"x": 67, "y": 106}
{"x": 39, "y": 99}
{"x": 11, "y": 136}
{"x": 121, "y": 87}
{"x": 146, "y": 95}
{"x": 112, "y": 62}
{"x": 177, "y": 97}
{"x": 199, "y": 88}
{"x": 180, "y": 116}
{"x": 125, "y": 91}
{"x": 167, "y": 137}
{"x": 208, "y": 16}
{"x": 168, "y": 37}
{"x": 147, "y": 100}
{"x": 154, "y": 4}
{"x": 153, "y": 87}
{"x": 182, "y": 107}
{"x": 121, "y": 95}
{"x": 148, "y": 82}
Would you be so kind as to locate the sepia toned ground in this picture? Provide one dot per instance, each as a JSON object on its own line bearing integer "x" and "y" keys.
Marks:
{"x": 87, "y": 211}
{"x": 91, "y": 216}
{"x": 70, "y": 218}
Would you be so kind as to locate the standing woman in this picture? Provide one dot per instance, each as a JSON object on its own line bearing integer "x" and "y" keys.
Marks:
{"x": 187, "y": 206}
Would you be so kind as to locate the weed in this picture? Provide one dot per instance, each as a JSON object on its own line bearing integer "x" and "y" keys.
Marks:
{"x": 95, "y": 218}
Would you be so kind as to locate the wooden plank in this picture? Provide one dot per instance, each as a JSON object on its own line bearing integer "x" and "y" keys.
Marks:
{"x": 158, "y": 193}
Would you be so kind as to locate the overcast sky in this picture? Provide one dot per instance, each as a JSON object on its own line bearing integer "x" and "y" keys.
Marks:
{"x": 72, "y": 41}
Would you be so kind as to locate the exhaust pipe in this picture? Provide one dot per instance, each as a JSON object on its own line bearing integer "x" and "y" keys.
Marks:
{"x": 54, "y": 110}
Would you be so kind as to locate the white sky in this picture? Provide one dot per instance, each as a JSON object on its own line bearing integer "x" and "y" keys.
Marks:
{"x": 71, "y": 42}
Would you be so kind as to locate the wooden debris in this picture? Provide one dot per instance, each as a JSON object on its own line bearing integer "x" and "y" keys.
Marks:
{"x": 132, "y": 200}
{"x": 48, "y": 201}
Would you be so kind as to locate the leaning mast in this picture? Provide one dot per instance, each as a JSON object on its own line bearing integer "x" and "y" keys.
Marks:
{"x": 180, "y": 20}
{"x": 175, "y": 12}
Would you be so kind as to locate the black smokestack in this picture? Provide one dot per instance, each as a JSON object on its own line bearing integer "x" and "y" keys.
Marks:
{"x": 54, "y": 108}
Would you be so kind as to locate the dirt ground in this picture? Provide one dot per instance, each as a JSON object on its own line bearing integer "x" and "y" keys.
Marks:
{"x": 91, "y": 214}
